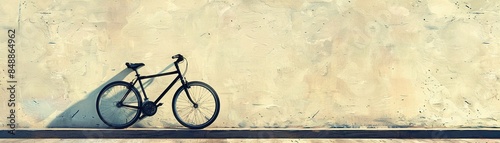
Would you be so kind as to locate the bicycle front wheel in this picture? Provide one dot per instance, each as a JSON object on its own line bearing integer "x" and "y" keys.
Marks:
{"x": 118, "y": 104}
{"x": 202, "y": 112}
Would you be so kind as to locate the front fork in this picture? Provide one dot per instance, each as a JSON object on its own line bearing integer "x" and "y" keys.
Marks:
{"x": 185, "y": 86}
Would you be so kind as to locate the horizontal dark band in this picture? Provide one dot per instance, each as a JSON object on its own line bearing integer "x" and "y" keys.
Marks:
{"x": 255, "y": 133}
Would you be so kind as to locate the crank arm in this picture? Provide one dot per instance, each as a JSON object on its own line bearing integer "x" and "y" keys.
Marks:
{"x": 142, "y": 116}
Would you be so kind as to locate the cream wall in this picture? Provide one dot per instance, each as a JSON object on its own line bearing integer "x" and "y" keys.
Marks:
{"x": 302, "y": 63}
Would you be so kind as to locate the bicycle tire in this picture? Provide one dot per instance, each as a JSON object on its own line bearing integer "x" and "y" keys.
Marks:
{"x": 108, "y": 108}
{"x": 199, "y": 92}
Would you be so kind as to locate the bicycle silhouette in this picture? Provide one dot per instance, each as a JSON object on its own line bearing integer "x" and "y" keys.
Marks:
{"x": 195, "y": 104}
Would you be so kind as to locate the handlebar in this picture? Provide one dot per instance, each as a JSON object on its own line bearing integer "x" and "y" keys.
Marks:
{"x": 179, "y": 57}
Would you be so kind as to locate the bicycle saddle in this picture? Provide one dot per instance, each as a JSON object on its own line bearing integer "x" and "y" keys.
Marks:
{"x": 134, "y": 66}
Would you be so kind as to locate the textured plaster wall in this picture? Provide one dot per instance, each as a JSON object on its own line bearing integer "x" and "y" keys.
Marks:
{"x": 275, "y": 63}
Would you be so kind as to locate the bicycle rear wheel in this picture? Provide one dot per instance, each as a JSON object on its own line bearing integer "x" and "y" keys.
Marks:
{"x": 118, "y": 104}
{"x": 203, "y": 112}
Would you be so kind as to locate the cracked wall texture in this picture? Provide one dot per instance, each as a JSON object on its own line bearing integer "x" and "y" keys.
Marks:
{"x": 287, "y": 64}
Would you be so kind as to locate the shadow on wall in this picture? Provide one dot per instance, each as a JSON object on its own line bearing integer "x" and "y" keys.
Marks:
{"x": 83, "y": 114}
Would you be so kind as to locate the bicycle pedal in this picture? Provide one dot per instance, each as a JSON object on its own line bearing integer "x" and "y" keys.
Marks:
{"x": 159, "y": 105}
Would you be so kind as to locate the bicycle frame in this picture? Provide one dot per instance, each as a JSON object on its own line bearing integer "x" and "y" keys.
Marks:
{"x": 179, "y": 76}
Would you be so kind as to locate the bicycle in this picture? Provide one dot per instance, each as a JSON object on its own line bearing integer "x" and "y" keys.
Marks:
{"x": 119, "y": 104}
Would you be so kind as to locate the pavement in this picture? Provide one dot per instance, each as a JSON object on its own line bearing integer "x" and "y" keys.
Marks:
{"x": 253, "y": 133}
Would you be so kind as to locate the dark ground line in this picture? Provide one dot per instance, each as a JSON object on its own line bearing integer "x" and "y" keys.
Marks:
{"x": 254, "y": 134}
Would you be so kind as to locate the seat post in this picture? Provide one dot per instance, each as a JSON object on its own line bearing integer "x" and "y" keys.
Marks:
{"x": 137, "y": 73}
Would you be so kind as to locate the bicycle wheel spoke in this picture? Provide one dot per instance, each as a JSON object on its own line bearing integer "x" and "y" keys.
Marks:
{"x": 127, "y": 116}
{"x": 199, "y": 117}
{"x": 113, "y": 114}
{"x": 187, "y": 115}
{"x": 204, "y": 94}
{"x": 184, "y": 102}
{"x": 203, "y": 115}
{"x": 198, "y": 95}
{"x": 194, "y": 117}
{"x": 185, "y": 107}
{"x": 206, "y": 110}
{"x": 107, "y": 108}
{"x": 181, "y": 108}
{"x": 208, "y": 104}
{"x": 205, "y": 99}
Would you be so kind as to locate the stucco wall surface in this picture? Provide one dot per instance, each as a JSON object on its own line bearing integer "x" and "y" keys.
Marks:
{"x": 274, "y": 63}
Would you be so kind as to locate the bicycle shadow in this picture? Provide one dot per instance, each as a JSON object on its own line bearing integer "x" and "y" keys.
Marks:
{"x": 83, "y": 114}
